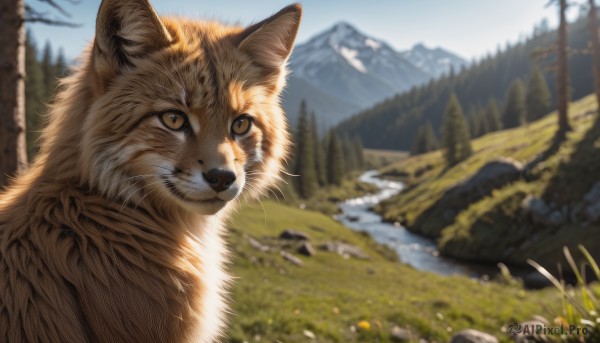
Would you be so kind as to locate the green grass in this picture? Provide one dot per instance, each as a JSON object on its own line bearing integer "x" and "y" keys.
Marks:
{"x": 495, "y": 228}
{"x": 379, "y": 158}
{"x": 274, "y": 300}
{"x": 326, "y": 198}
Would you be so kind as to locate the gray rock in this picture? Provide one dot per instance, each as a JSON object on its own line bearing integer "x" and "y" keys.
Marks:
{"x": 258, "y": 245}
{"x": 543, "y": 213}
{"x": 593, "y": 196}
{"x": 306, "y": 249}
{"x": 344, "y": 249}
{"x": 291, "y": 258}
{"x": 398, "y": 334}
{"x": 473, "y": 336}
{"x": 292, "y": 235}
{"x": 493, "y": 175}
{"x": 592, "y": 203}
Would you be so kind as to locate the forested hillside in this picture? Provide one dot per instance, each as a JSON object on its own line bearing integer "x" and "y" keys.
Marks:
{"x": 394, "y": 123}
{"x": 43, "y": 71}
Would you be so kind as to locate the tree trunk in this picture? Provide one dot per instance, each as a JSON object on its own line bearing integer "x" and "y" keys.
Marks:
{"x": 595, "y": 40}
{"x": 563, "y": 74}
{"x": 13, "y": 152}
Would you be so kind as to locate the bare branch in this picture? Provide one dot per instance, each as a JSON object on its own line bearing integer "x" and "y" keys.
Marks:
{"x": 52, "y": 22}
{"x": 34, "y": 16}
{"x": 57, "y": 7}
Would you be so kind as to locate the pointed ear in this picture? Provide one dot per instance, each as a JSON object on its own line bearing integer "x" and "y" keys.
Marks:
{"x": 270, "y": 42}
{"x": 125, "y": 30}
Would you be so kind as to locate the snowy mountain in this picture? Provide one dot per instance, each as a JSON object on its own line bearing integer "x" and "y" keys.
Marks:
{"x": 343, "y": 70}
{"x": 355, "y": 67}
{"x": 434, "y": 62}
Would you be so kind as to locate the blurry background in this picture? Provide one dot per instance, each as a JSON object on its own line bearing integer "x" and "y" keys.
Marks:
{"x": 438, "y": 147}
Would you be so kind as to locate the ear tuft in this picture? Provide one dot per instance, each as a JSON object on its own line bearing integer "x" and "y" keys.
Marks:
{"x": 269, "y": 43}
{"x": 125, "y": 30}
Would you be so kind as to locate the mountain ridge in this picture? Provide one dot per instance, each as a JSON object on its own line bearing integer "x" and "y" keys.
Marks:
{"x": 355, "y": 71}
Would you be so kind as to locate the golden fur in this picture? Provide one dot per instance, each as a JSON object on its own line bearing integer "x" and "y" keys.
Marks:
{"x": 114, "y": 234}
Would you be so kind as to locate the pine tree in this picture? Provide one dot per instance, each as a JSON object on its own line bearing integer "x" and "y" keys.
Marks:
{"x": 307, "y": 183}
{"x": 335, "y": 161}
{"x": 425, "y": 140}
{"x": 34, "y": 94}
{"x": 359, "y": 152}
{"x": 492, "y": 116}
{"x": 48, "y": 71}
{"x": 431, "y": 142}
{"x": 349, "y": 154}
{"x": 562, "y": 73}
{"x": 318, "y": 151}
{"x": 418, "y": 146}
{"x": 60, "y": 69}
{"x": 455, "y": 133}
{"x": 538, "y": 96}
{"x": 514, "y": 111}
{"x": 474, "y": 123}
{"x": 484, "y": 126}
{"x": 595, "y": 43}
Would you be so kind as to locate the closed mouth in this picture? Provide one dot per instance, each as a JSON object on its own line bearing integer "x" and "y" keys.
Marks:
{"x": 179, "y": 194}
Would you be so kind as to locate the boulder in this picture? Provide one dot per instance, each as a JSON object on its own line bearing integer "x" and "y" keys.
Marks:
{"x": 344, "y": 249}
{"x": 292, "y": 235}
{"x": 542, "y": 213}
{"x": 306, "y": 249}
{"x": 473, "y": 336}
{"x": 258, "y": 245}
{"x": 493, "y": 175}
{"x": 398, "y": 334}
{"x": 592, "y": 203}
{"x": 291, "y": 258}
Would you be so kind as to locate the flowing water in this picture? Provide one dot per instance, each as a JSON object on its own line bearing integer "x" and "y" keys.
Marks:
{"x": 413, "y": 249}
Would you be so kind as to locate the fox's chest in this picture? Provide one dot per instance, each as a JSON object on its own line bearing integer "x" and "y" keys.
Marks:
{"x": 175, "y": 297}
{"x": 144, "y": 301}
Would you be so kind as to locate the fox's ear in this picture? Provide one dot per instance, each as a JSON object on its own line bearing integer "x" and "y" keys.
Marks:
{"x": 270, "y": 42}
{"x": 125, "y": 30}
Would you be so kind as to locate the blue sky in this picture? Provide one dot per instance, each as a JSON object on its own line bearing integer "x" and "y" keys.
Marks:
{"x": 469, "y": 28}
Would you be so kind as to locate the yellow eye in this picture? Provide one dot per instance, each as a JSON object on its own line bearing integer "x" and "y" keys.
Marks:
{"x": 173, "y": 120}
{"x": 241, "y": 125}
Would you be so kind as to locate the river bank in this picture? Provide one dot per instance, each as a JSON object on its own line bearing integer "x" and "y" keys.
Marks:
{"x": 413, "y": 249}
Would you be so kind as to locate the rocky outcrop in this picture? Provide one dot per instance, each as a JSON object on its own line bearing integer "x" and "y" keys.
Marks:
{"x": 493, "y": 175}
{"x": 542, "y": 213}
{"x": 591, "y": 203}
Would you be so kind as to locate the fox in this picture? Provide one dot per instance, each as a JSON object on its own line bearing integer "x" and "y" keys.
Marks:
{"x": 115, "y": 232}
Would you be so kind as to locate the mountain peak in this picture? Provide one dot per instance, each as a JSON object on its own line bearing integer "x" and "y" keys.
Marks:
{"x": 343, "y": 25}
{"x": 435, "y": 61}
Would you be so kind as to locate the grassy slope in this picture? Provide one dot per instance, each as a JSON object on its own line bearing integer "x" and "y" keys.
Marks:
{"x": 489, "y": 228}
{"x": 275, "y": 300}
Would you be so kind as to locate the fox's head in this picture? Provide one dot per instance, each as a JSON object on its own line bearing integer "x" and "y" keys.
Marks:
{"x": 186, "y": 112}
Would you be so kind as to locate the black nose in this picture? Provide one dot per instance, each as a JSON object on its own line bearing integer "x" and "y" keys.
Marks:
{"x": 219, "y": 179}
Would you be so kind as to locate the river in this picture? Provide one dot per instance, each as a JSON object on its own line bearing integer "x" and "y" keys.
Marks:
{"x": 415, "y": 250}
